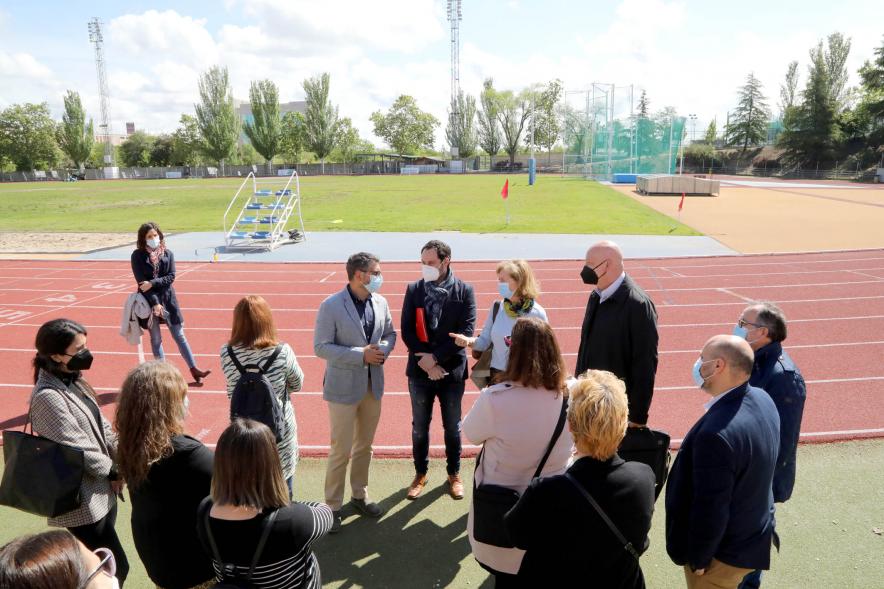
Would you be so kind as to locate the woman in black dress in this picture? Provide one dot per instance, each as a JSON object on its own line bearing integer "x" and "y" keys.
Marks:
{"x": 154, "y": 268}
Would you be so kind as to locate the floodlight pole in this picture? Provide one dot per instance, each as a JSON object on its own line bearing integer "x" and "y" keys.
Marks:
{"x": 97, "y": 39}
{"x": 669, "y": 163}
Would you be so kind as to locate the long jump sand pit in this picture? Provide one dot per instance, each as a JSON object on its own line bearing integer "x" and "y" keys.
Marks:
{"x": 764, "y": 216}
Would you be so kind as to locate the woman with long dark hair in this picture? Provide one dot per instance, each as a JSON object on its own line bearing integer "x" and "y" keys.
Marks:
{"x": 154, "y": 268}
{"x": 168, "y": 474}
{"x": 55, "y": 560}
{"x": 64, "y": 408}
{"x": 250, "y": 500}
{"x": 516, "y": 420}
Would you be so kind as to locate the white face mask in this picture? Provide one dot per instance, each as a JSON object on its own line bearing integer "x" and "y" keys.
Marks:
{"x": 153, "y": 243}
{"x": 115, "y": 583}
{"x": 185, "y": 407}
{"x": 430, "y": 273}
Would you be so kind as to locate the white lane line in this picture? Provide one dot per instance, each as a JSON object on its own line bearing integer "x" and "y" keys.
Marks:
{"x": 861, "y": 273}
{"x": 329, "y": 276}
{"x": 733, "y": 294}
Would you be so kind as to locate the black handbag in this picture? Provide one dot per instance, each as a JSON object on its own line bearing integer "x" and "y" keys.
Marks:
{"x": 41, "y": 476}
{"x": 651, "y": 447}
{"x": 492, "y": 502}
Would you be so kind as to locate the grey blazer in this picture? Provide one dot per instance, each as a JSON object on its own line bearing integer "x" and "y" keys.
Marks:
{"x": 59, "y": 413}
{"x": 339, "y": 339}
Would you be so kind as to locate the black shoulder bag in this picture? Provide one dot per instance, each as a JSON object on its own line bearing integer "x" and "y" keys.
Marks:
{"x": 230, "y": 579}
{"x": 492, "y": 502}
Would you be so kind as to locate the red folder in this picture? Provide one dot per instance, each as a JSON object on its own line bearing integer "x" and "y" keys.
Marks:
{"x": 420, "y": 325}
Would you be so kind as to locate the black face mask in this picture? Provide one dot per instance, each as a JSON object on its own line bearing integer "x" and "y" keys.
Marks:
{"x": 82, "y": 360}
{"x": 589, "y": 276}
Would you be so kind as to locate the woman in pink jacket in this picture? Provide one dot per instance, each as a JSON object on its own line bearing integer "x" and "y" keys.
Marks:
{"x": 515, "y": 421}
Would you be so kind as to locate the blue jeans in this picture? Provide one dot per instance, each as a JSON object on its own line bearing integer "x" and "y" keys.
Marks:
{"x": 450, "y": 395}
{"x": 177, "y": 331}
{"x": 751, "y": 581}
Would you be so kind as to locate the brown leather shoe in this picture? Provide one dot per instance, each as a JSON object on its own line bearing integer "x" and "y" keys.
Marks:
{"x": 455, "y": 486}
{"x": 198, "y": 374}
{"x": 416, "y": 486}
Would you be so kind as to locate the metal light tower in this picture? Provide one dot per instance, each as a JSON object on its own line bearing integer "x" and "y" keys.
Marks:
{"x": 455, "y": 15}
{"x": 97, "y": 38}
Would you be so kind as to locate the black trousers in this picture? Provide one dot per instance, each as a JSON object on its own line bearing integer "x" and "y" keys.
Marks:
{"x": 102, "y": 534}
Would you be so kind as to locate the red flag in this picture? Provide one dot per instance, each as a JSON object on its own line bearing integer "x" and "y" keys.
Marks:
{"x": 681, "y": 202}
{"x": 506, "y": 189}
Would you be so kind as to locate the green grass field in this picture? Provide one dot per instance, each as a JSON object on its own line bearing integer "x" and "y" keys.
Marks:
{"x": 827, "y": 529}
{"x": 470, "y": 203}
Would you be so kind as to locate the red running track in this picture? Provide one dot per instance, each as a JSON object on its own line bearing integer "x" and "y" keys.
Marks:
{"x": 834, "y": 302}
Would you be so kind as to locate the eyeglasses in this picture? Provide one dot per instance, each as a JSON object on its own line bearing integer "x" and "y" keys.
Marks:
{"x": 375, "y": 273}
{"x": 107, "y": 566}
{"x": 744, "y": 323}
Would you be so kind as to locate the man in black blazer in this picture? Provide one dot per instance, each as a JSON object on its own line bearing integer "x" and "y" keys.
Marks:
{"x": 435, "y": 306}
{"x": 619, "y": 331}
{"x": 719, "y": 502}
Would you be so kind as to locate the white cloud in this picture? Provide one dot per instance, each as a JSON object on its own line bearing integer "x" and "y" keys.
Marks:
{"x": 22, "y": 65}
{"x": 157, "y": 35}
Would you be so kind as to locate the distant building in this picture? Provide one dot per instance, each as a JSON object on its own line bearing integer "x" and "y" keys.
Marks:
{"x": 114, "y": 139}
{"x": 130, "y": 128}
{"x": 244, "y": 112}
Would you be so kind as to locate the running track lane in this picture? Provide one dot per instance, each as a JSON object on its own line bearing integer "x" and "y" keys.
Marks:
{"x": 834, "y": 302}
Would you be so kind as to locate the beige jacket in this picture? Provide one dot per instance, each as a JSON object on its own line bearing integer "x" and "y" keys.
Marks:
{"x": 515, "y": 424}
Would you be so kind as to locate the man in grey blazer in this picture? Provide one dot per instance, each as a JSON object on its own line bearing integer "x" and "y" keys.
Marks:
{"x": 354, "y": 334}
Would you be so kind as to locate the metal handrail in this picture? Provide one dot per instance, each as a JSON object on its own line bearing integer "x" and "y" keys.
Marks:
{"x": 233, "y": 200}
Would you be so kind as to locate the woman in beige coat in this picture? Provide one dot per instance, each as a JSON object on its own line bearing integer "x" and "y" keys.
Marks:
{"x": 515, "y": 421}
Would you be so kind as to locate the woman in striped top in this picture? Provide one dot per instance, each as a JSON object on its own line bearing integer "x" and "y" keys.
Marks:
{"x": 253, "y": 340}
{"x": 249, "y": 495}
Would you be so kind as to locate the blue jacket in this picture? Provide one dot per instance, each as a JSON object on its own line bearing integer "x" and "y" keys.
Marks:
{"x": 776, "y": 373}
{"x": 719, "y": 502}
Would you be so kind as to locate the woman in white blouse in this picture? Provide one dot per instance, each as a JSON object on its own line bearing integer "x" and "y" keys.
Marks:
{"x": 515, "y": 421}
{"x": 518, "y": 290}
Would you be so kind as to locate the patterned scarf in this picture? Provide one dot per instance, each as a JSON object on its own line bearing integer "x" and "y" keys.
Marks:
{"x": 435, "y": 295}
{"x": 518, "y": 310}
{"x": 155, "y": 256}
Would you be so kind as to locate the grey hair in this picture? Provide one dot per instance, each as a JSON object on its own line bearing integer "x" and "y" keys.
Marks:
{"x": 773, "y": 318}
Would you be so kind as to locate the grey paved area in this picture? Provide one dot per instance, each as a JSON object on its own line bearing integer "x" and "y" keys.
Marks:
{"x": 392, "y": 247}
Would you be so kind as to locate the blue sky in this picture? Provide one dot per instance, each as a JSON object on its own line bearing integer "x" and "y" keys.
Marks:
{"x": 688, "y": 54}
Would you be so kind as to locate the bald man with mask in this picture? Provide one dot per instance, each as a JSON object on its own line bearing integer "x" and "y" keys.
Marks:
{"x": 619, "y": 332}
{"x": 719, "y": 500}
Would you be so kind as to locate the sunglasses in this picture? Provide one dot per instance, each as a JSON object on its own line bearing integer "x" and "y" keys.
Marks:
{"x": 107, "y": 566}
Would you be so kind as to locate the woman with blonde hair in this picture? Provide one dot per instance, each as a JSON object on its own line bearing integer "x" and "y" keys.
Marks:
{"x": 248, "y": 526}
{"x": 518, "y": 421}
{"x": 168, "y": 472}
{"x": 567, "y": 541}
{"x": 253, "y": 342}
{"x": 519, "y": 290}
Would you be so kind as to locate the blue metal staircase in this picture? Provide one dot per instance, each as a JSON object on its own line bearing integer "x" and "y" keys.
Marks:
{"x": 265, "y": 213}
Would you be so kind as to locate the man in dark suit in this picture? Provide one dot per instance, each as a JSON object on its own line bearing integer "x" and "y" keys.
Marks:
{"x": 719, "y": 503}
{"x": 435, "y": 306}
{"x": 619, "y": 331}
{"x": 763, "y": 325}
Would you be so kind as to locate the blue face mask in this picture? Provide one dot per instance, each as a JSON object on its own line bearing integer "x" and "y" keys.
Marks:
{"x": 504, "y": 290}
{"x": 695, "y": 373}
{"x": 740, "y": 332}
{"x": 374, "y": 283}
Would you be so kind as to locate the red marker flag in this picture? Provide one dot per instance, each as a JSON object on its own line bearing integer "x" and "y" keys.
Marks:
{"x": 506, "y": 189}
{"x": 681, "y": 202}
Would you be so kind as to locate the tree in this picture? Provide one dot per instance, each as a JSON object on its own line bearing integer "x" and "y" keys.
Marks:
{"x": 810, "y": 130}
{"x": 264, "y": 130}
{"x": 75, "y": 137}
{"x": 871, "y": 104}
{"x": 321, "y": 123}
{"x": 27, "y": 136}
{"x": 748, "y": 125}
{"x": 187, "y": 144}
{"x": 135, "y": 150}
{"x": 162, "y": 151}
{"x": 490, "y": 139}
{"x": 644, "y": 105}
{"x": 789, "y": 88}
{"x": 216, "y": 115}
{"x": 546, "y": 120}
{"x": 835, "y": 58}
{"x": 293, "y": 138}
{"x": 349, "y": 142}
{"x": 711, "y": 132}
{"x": 405, "y": 127}
{"x": 461, "y": 130}
{"x": 513, "y": 111}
